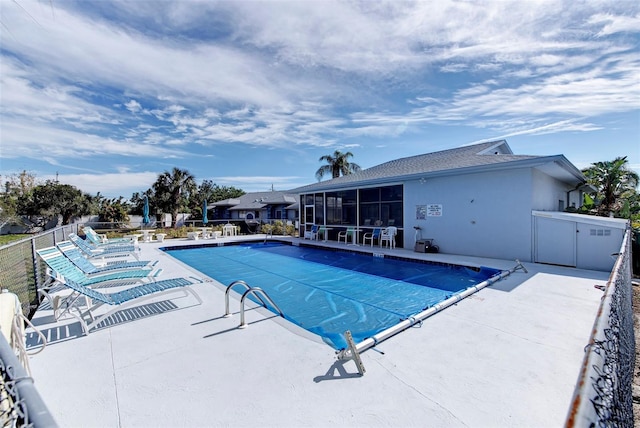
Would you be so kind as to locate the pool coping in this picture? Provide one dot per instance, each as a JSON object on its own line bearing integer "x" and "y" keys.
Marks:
{"x": 349, "y": 249}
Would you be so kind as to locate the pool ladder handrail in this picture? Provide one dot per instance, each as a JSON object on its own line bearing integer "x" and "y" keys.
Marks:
{"x": 258, "y": 292}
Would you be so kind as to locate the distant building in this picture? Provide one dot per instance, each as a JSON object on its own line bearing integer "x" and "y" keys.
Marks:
{"x": 257, "y": 207}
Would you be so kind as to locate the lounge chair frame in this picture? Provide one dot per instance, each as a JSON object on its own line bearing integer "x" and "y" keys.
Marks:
{"x": 119, "y": 300}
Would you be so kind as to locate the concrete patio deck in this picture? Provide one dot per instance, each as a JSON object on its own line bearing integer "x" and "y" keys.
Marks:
{"x": 507, "y": 356}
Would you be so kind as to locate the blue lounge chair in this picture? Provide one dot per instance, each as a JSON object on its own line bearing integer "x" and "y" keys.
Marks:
{"x": 74, "y": 254}
{"x": 93, "y": 251}
{"x": 100, "y": 240}
{"x": 61, "y": 265}
{"x": 119, "y": 300}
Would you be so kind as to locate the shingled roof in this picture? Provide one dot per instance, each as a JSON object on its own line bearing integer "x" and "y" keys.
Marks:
{"x": 257, "y": 200}
{"x": 474, "y": 157}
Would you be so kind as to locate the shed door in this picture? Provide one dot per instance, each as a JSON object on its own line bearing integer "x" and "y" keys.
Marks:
{"x": 555, "y": 241}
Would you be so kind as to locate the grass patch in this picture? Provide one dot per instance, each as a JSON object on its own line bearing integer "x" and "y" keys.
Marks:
{"x": 5, "y": 239}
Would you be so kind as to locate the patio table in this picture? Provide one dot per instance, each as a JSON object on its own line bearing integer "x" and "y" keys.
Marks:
{"x": 325, "y": 233}
{"x": 147, "y": 234}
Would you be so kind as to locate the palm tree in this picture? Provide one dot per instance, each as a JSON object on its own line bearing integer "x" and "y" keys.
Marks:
{"x": 172, "y": 190}
{"x": 614, "y": 183}
{"x": 337, "y": 164}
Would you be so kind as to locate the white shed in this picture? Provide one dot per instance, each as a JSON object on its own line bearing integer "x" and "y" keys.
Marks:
{"x": 577, "y": 240}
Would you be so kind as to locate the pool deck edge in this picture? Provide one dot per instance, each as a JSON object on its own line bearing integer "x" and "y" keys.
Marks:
{"x": 506, "y": 356}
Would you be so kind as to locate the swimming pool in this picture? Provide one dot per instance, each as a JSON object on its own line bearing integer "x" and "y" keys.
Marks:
{"x": 329, "y": 292}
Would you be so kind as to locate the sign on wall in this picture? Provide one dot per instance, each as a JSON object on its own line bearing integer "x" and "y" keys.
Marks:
{"x": 421, "y": 212}
{"x": 434, "y": 210}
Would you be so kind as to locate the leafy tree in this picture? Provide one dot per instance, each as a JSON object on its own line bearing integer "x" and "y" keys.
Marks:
{"x": 337, "y": 164}
{"x": 212, "y": 193}
{"x": 615, "y": 185}
{"x": 172, "y": 191}
{"x": 220, "y": 193}
{"x": 113, "y": 210}
{"x": 15, "y": 187}
{"x": 8, "y": 209}
{"x": 20, "y": 184}
{"x": 136, "y": 202}
{"x": 53, "y": 199}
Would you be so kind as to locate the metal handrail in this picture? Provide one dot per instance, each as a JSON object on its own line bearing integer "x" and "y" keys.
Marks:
{"x": 227, "y": 313}
{"x": 256, "y": 291}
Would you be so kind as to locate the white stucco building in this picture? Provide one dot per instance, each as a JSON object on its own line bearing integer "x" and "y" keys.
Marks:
{"x": 476, "y": 200}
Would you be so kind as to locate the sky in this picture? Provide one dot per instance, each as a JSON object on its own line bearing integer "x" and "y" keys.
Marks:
{"x": 106, "y": 95}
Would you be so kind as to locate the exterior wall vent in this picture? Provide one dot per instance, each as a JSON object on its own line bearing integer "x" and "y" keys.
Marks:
{"x": 600, "y": 232}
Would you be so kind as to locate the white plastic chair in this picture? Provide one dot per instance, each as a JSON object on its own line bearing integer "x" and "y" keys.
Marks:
{"x": 312, "y": 234}
{"x": 371, "y": 236}
{"x": 347, "y": 234}
{"x": 388, "y": 236}
{"x": 229, "y": 230}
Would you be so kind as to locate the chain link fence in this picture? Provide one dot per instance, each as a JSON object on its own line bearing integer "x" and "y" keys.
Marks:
{"x": 603, "y": 396}
{"x": 20, "y": 270}
{"x": 22, "y": 273}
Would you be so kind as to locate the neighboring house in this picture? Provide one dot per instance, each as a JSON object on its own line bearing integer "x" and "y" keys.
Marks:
{"x": 477, "y": 200}
{"x": 257, "y": 207}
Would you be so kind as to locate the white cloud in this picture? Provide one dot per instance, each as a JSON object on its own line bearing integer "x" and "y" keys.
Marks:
{"x": 73, "y": 47}
{"x": 133, "y": 106}
{"x": 159, "y": 80}
{"x": 615, "y": 23}
{"x": 110, "y": 185}
{"x": 540, "y": 129}
{"x": 21, "y": 139}
{"x": 261, "y": 183}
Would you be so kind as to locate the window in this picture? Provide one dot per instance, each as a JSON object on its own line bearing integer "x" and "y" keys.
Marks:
{"x": 319, "y": 214}
{"x": 313, "y": 209}
{"x": 308, "y": 214}
{"x": 381, "y": 206}
{"x": 341, "y": 207}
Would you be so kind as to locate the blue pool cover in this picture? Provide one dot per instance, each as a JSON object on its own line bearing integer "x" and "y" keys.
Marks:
{"x": 329, "y": 292}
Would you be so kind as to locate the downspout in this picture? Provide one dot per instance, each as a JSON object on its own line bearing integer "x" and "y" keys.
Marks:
{"x": 370, "y": 342}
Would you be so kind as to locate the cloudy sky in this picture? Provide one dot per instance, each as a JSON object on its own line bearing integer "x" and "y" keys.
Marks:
{"x": 109, "y": 94}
